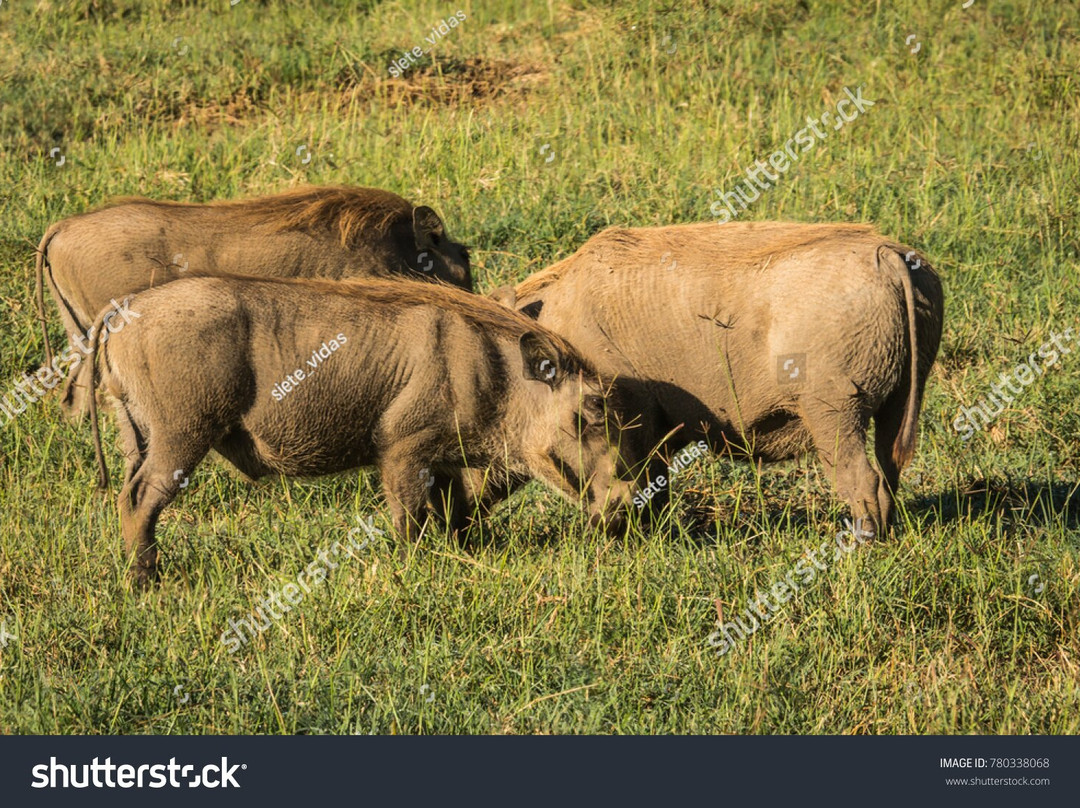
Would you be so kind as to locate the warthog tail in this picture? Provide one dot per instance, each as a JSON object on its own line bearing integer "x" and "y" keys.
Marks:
{"x": 95, "y": 332}
{"x": 39, "y": 288}
{"x": 904, "y": 445}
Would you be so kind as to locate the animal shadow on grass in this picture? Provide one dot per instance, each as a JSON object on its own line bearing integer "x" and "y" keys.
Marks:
{"x": 697, "y": 509}
{"x": 1016, "y": 502}
{"x": 533, "y": 519}
{"x": 783, "y": 506}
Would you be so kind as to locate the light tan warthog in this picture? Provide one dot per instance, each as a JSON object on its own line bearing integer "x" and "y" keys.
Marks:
{"x": 307, "y": 377}
{"x": 762, "y": 339}
{"x": 320, "y": 232}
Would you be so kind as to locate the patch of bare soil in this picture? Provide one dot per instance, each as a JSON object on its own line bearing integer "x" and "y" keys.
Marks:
{"x": 444, "y": 80}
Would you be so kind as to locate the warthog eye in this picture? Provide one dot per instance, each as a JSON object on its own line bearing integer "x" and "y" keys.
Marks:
{"x": 592, "y": 413}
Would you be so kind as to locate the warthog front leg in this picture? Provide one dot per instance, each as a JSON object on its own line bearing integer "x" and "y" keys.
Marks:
{"x": 449, "y": 502}
{"x": 473, "y": 494}
{"x": 406, "y": 482}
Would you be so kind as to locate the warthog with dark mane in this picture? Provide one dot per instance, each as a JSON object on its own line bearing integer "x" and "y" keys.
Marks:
{"x": 308, "y": 377}
{"x": 761, "y": 339}
{"x": 317, "y": 232}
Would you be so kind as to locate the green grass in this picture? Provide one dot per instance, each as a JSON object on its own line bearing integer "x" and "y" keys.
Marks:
{"x": 548, "y": 627}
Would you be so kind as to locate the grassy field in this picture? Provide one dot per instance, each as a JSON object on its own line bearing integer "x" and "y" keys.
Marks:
{"x": 967, "y": 621}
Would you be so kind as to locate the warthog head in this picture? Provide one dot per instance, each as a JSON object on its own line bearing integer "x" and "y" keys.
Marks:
{"x": 571, "y": 429}
{"x": 436, "y": 255}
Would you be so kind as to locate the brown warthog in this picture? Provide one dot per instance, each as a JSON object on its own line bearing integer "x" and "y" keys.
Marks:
{"x": 761, "y": 339}
{"x": 307, "y": 377}
{"x": 319, "y": 232}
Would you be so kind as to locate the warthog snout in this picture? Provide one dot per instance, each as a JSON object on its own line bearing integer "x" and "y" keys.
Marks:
{"x": 575, "y": 443}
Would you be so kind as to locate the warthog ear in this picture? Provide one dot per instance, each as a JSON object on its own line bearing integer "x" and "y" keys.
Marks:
{"x": 541, "y": 360}
{"x": 532, "y": 311}
{"x": 427, "y": 227}
{"x": 504, "y": 295}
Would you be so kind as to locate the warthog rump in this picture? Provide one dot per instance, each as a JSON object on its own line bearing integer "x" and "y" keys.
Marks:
{"x": 763, "y": 339}
{"x": 305, "y": 377}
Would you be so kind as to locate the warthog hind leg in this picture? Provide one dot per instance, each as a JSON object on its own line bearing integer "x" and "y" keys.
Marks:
{"x": 406, "y": 482}
{"x": 840, "y": 438}
{"x": 74, "y": 401}
{"x": 887, "y": 422}
{"x": 155, "y": 476}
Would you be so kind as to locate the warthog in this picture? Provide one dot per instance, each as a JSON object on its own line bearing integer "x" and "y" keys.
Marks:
{"x": 761, "y": 339}
{"x": 308, "y": 377}
{"x": 320, "y": 232}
